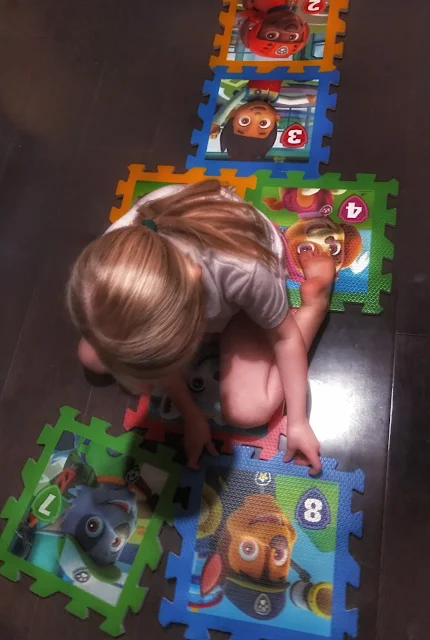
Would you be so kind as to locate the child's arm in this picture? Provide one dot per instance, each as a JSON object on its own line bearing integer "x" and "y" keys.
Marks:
{"x": 197, "y": 435}
{"x": 291, "y": 358}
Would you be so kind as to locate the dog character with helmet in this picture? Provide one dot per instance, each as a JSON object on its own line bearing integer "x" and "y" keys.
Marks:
{"x": 272, "y": 29}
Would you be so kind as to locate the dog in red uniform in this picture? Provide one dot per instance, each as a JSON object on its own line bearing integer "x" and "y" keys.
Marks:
{"x": 272, "y": 29}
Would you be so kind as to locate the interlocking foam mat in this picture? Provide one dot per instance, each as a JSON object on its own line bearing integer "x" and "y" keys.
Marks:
{"x": 255, "y": 120}
{"x": 159, "y": 417}
{"x": 265, "y": 546}
{"x": 88, "y": 519}
{"x": 346, "y": 218}
{"x": 265, "y": 551}
{"x": 272, "y": 33}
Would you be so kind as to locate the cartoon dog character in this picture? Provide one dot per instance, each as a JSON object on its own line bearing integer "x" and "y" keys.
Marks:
{"x": 307, "y": 203}
{"x": 253, "y": 558}
{"x": 272, "y": 29}
{"x": 101, "y": 520}
{"x": 322, "y": 236}
{"x": 203, "y": 383}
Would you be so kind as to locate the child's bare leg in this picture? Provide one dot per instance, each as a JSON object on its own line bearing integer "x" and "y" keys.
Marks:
{"x": 320, "y": 273}
{"x": 89, "y": 358}
{"x": 251, "y": 388}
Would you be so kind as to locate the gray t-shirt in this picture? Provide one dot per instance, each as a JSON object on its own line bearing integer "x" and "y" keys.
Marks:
{"x": 232, "y": 284}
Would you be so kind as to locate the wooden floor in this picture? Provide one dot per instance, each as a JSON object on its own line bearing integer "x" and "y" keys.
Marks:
{"x": 90, "y": 86}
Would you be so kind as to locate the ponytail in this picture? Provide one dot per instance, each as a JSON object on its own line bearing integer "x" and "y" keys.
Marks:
{"x": 212, "y": 217}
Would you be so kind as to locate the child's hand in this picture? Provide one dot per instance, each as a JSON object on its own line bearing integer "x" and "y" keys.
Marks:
{"x": 197, "y": 437}
{"x": 301, "y": 438}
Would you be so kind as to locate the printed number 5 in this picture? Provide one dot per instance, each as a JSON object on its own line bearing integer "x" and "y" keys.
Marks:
{"x": 314, "y": 6}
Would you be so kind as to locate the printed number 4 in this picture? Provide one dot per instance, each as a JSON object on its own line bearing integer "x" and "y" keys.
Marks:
{"x": 353, "y": 210}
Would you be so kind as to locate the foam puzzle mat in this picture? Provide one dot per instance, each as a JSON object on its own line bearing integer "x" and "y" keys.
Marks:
{"x": 273, "y": 33}
{"x": 88, "y": 520}
{"x": 353, "y": 214}
{"x": 345, "y": 218}
{"x": 158, "y": 417}
{"x": 140, "y": 182}
{"x": 265, "y": 551}
{"x": 256, "y": 120}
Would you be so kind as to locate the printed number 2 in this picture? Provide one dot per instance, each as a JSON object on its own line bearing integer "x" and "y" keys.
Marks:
{"x": 313, "y": 508}
{"x": 314, "y": 6}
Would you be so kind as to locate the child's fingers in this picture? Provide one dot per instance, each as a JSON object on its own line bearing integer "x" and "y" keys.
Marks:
{"x": 195, "y": 466}
{"x": 289, "y": 454}
{"x": 210, "y": 448}
{"x": 193, "y": 460}
{"x": 315, "y": 462}
{"x": 301, "y": 460}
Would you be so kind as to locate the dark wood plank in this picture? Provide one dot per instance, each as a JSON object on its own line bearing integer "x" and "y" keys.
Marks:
{"x": 351, "y": 391}
{"x": 405, "y": 563}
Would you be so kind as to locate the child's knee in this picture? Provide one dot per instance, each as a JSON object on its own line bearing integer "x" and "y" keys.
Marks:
{"x": 89, "y": 358}
{"x": 244, "y": 415}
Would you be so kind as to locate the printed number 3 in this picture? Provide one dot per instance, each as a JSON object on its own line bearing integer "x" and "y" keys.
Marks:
{"x": 313, "y": 508}
{"x": 295, "y": 136}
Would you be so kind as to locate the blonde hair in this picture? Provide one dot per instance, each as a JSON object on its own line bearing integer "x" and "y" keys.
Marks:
{"x": 138, "y": 299}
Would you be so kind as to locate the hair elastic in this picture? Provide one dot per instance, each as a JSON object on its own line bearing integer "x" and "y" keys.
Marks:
{"x": 150, "y": 224}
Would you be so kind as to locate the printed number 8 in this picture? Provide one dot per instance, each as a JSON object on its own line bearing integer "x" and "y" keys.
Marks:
{"x": 313, "y": 508}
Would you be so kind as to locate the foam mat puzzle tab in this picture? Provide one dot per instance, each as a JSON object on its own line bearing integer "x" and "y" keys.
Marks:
{"x": 140, "y": 182}
{"x": 274, "y": 120}
{"x": 265, "y": 551}
{"x": 266, "y": 437}
{"x": 346, "y": 219}
{"x": 88, "y": 520}
{"x": 273, "y": 33}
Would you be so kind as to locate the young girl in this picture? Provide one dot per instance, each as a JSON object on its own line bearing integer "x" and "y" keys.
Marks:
{"x": 193, "y": 260}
